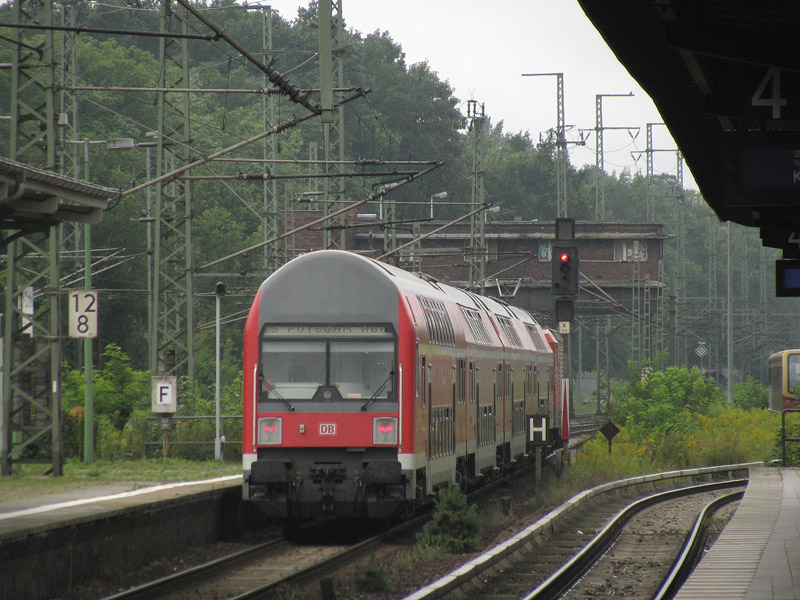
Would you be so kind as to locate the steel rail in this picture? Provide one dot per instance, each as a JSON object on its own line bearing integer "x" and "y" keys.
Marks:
{"x": 332, "y": 562}
{"x": 692, "y": 549}
{"x": 158, "y": 586}
{"x": 560, "y": 581}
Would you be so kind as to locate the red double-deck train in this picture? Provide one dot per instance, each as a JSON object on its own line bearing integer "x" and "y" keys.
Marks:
{"x": 367, "y": 387}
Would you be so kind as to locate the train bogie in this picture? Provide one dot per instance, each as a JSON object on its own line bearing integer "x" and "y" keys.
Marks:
{"x": 367, "y": 388}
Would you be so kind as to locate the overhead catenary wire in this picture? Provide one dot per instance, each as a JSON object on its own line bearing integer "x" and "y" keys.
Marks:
{"x": 375, "y": 196}
{"x": 209, "y": 158}
{"x": 275, "y": 77}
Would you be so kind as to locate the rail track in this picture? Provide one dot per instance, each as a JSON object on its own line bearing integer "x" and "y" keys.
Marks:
{"x": 635, "y": 551}
{"x": 259, "y": 571}
{"x": 546, "y": 548}
{"x": 576, "y": 552}
{"x": 263, "y": 571}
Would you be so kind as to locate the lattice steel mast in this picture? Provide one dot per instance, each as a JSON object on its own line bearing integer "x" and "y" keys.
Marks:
{"x": 172, "y": 339}
{"x": 30, "y": 416}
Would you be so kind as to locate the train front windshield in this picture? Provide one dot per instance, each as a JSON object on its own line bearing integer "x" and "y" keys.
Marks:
{"x": 793, "y": 373}
{"x": 359, "y": 368}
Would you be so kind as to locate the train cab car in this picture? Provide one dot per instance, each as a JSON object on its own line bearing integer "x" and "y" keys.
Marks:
{"x": 784, "y": 380}
{"x": 366, "y": 388}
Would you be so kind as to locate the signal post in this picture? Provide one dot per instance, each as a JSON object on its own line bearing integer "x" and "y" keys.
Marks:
{"x": 565, "y": 286}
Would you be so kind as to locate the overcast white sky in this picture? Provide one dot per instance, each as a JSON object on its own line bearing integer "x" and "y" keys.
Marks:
{"x": 483, "y": 48}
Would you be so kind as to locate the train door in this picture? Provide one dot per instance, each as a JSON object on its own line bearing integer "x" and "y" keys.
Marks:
{"x": 473, "y": 417}
{"x": 458, "y": 404}
{"x": 498, "y": 416}
{"x": 426, "y": 405}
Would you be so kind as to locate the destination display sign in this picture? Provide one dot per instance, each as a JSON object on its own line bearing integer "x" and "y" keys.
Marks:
{"x": 318, "y": 331}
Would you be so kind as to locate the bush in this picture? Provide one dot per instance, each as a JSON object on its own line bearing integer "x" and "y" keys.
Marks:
{"x": 370, "y": 577}
{"x": 749, "y": 394}
{"x": 656, "y": 401}
{"x": 454, "y": 526}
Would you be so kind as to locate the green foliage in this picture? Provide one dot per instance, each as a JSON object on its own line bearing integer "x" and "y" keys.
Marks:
{"x": 791, "y": 449}
{"x": 750, "y": 394}
{"x": 411, "y": 113}
{"x": 371, "y": 577}
{"x": 655, "y": 401}
{"x": 454, "y": 526}
{"x": 124, "y": 421}
{"x": 119, "y": 391}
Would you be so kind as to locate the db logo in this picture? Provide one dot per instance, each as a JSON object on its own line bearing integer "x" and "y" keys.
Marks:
{"x": 327, "y": 428}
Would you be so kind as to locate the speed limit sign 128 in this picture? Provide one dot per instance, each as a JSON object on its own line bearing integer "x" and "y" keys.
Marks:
{"x": 83, "y": 314}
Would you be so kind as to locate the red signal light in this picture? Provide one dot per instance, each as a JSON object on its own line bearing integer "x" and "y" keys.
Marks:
{"x": 563, "y": 257}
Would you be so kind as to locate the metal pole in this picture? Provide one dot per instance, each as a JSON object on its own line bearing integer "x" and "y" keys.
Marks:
{"x": 150, "y": 323}
{"x": 730, "y": 315}
{"x": 88, "y": 374}
{"x": 219, "y": 292}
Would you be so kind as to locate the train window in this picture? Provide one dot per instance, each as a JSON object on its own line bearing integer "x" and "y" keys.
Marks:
{"x": 471, "y": 382}
{"x": 292, "y": 369}
{"x": 509, "y": 331}
{"x": 430, "y": 382}
{"x": 416, "y": 370}
{"x": 358, "y": 368}
{"x": 461, "y": 393}
{"x": 792, "y": 373}
{"x": 363, "y": 368}
{"x": 536, "y": 337}
{"x": 423, "y": 379}
{"x": 476, "y": 325}
{"x": 440, "y": 329}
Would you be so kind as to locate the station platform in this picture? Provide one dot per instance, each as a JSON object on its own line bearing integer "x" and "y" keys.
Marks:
{"x": 757, "y": 555}
{"x": 97, "y": 532}
{"x": 37, "y": 514}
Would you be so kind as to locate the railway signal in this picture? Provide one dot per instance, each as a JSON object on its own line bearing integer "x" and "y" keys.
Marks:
{"x": 565, "y": 270}
{"x": 565, "y": 259}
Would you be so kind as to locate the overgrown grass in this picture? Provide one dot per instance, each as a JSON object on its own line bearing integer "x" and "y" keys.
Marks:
{"x": 33, "y": 480}
{"x": 727, "y": 436}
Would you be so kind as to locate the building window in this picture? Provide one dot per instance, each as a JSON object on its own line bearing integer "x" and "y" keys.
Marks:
{"x": 630, "y": 251}
{"x": 545, "y": 252}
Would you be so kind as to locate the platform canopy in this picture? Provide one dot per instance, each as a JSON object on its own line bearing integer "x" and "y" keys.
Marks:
{"x": 32, "y": 199}
{"x": 725, "y": 76}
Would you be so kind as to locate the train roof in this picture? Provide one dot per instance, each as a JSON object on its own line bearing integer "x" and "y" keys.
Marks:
{"x": 310, "y": 287}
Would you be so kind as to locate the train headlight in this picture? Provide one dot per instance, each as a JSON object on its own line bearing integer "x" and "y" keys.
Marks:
{"x": 270, "y": 431}
{"x": 384, "y": 430}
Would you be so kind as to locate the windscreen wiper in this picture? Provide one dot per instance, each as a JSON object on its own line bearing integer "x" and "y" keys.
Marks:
{"x": 272, "y": 390}
{"x": 378, "y": 391}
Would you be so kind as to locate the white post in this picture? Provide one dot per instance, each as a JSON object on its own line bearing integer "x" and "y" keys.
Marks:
{"x": 219, "y": 292}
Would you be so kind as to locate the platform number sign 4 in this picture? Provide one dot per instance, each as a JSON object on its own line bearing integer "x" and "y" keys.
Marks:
{"x": 83, "y": 314}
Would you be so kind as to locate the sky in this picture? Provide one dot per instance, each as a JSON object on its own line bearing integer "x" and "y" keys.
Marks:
{"x": 483, "y": 49}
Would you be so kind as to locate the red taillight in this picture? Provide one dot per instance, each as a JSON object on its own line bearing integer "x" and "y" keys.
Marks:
{"x": 269, "y": 431}
{"x": 384, "y": 430}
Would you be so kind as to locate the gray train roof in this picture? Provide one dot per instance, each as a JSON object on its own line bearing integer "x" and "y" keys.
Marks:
{"x": 309, "y": 289}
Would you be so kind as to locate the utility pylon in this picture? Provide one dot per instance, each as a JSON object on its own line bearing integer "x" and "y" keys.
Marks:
{"x": 30, "y": 405}
{"x": 172, "y": 339}
{"x": 67, "y": 158}
{"x": 681, "y": 263}
{"x": 331, "y": 64}
{"x": 561, "y": 143}
{"x": 477, "y": 225}
{"x": 658, "y": 321}
{"x": 603, "y": 327}
{"x": 599, "y": 157}
{"x": 272, "y": 259}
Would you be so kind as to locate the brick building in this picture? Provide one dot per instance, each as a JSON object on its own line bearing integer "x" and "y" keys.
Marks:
{"x": 621, "y": 263}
